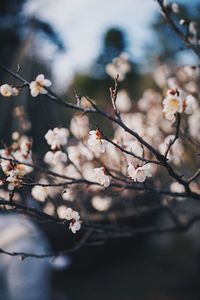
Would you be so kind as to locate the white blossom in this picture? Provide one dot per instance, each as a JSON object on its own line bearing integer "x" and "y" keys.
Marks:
{"x": 57, "y": 137}
{"x": 123, "y": 101}
{"x": 175, "y": 8}
{"x": 43, "y": 191}
{"x": 49, "y": 208}
{"x": 139, "y": 173}
{"x": 177, "y": 102}
{"x": 70, "y": 215}
{"x": 87, "y": 170}
{"x": 16, "y": 171}
{"x": 40, "y": 193}
{"x": 15, "y": 91}
{"x": 182, "y": 22}
{"x": 96, "y": 143}
{"x": 75, "y": 226}
{"x": 53, "y": 158}
{"x": 172, "y": 105}
{"x": 176, "y": 187}
{"x": 79, "y": 126}
{"x": 68, "y": 194}
{"x": 101, "y": 177}
{"x": 101, "y": 203}
{"x": 6, "y": 90}
{"x": 119, "y": 66}
{"x": 189, "y": 104}
{"x": 38, "y": 85}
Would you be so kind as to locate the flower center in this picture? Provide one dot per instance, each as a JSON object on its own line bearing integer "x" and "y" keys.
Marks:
{"x": 98, "y": 135}
{"x": 174, "y": 102}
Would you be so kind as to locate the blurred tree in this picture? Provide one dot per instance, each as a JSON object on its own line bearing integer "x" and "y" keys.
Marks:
{"x": 114, "y": 43}
{"x": 96, "y": 82}
{"x": 15, "y": 27}
{"x": 165, "y": 44}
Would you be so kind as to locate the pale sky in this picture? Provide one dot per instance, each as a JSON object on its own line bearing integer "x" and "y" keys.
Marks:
{"x": 82, "y": 23}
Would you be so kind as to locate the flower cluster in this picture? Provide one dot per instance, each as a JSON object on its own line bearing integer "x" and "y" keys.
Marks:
{"x": 139, "y": 173}
{"x": 70, "y": 215}
{"x": 16, "y": 162}
{"x": 80, "y": 159}
{"x": 119, "y": 66}
{"x": 96, "y": 143}
{"x": 177, "y": 102}
{"x": 57, "y": 137}
{"x": 101, "y": 177}
{"x": 7, "y": 90}
{"x": 56, "y": 157}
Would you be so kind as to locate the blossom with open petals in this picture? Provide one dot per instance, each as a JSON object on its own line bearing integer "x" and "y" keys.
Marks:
{"x": 139, "y": 173}
{"x": 54, "y": 158}
{"x": 57, "y": 137}
{"x": 120, "y": 66}
{"x": 39, "y": 193}
{"x": 6, "y": 90}
{"x": 14, "y": 172}
{"x": 38, "y": 85}
{"x": 177, "y": 101}
{"x": 101, "y": 177}
{"x": 189, "y": 104}
{"x": 172, "y": 104}
{"x": 75, "y": 226}
{"x": 96, "y": 143}
{"x": 70, "y": 215}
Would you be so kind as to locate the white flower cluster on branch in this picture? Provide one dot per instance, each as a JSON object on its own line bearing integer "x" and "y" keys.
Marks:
{"x": 151, "y": 147}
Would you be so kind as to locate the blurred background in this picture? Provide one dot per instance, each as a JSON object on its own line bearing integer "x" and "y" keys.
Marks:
{"x": 71, "y": 42}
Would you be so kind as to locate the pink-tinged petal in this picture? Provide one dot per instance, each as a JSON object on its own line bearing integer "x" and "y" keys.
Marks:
{"x": 47, "y": 82}
{"x": 40, "y": 77}
{"x": 33, "y": 84}
{"x": 141, "y": 176}
{"x": 34, "y": 92}
{"x": 43, "y": 91}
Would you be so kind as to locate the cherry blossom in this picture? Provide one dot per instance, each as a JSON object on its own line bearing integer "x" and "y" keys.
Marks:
{"x": 70, "y": 215}
{"x": 68, "y": 195}
{"x": 101, "y": 203}
{"x": 177, "y": 102}
{"x": 40, "y": 193}
{"x": 96, "y": 143}
{"x": 123, "y": 101}
{"x": 57, "y": 137}
{"x": 79, "y": 126}
{"x": 101, "y": 177}
{"x": 119, "y": 66}
{"x": 53, "y": 158}
{"x": 173, "y": 103}
{"x": 38, "y": 85}
{"x": 6, "y": 90}
{"x": 75, "y": 226}
{"x": 189, "y": 104}
{"x": 139, "y": 173}
{"x": 15, "y": 171}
